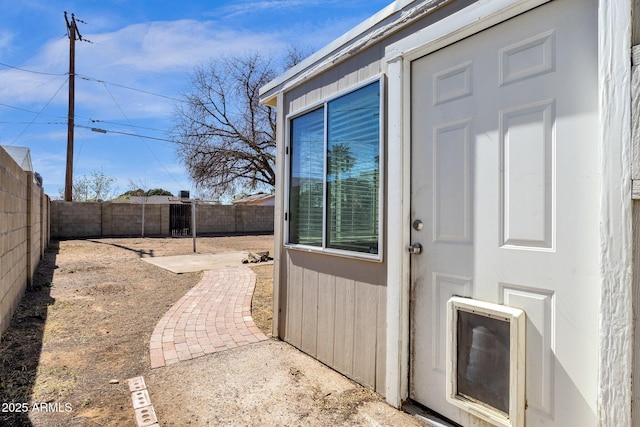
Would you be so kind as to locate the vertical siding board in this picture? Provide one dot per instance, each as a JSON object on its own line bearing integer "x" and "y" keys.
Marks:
{"x": 309, "y": 312}
{"x": 282, "y": 295}
{"x": 344, "y": 325}
{"x": 293, "y": 333}
{"x": 365, "y": 334}
{"x": 326, "y": 318}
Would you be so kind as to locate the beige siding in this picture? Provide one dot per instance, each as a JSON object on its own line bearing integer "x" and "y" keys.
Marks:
{"x": 326, "y": 318}
{"x": 335, "y": 307}
{"x": 342, "y": 78}
{"x": 335, "y": 312}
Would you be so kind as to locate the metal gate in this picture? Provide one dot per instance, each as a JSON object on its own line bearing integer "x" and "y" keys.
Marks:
{"x": 180, "y": 219}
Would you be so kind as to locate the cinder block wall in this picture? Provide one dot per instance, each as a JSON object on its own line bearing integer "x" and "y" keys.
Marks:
{"x": 234, "y": 219}
{"x": 73, "y": 219}
{"x": 109, "y": 219}
{"x": 253, "y": 219}
{"x": 24, "y": 233}
{"x": 125, "y": 219}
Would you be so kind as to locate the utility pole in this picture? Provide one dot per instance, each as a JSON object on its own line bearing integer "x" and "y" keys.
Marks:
{"x": 73, "y": 33}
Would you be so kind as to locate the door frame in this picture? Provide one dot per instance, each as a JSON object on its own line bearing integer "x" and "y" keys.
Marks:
{"x": 614, "y": 139}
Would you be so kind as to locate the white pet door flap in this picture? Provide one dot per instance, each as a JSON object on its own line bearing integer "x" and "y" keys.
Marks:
{"x": 486, "y": 360}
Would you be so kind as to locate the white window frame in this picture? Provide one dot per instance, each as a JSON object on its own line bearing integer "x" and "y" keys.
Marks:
{"x": 286, "y": 218}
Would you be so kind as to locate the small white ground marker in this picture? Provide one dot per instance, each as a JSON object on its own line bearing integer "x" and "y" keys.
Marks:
{"x": 136, "y": 384}
{"x": 145, "y": 414}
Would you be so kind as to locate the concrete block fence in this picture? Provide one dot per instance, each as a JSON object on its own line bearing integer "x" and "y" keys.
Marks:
{"x": 24, "y": 233}
{"x": 111, "y": 219}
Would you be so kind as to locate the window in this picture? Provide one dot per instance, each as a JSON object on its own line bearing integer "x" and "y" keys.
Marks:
{"x": 334, "y": 174}
{"x": 307, "y": 179}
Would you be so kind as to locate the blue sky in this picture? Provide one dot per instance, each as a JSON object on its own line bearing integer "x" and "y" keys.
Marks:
{"x": 139, "y": 49}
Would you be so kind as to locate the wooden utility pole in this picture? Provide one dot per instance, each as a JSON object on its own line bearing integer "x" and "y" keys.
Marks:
{"x": 72, "y": 32}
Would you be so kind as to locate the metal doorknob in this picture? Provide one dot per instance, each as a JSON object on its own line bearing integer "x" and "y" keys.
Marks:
{"x": 415, "y": 249}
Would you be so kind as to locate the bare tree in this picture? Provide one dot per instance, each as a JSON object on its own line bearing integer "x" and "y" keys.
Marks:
{"x": 92, "y": 188}
{"x": 226, "y": 137}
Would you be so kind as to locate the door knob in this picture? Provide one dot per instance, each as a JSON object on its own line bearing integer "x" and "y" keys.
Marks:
{"x": 415, "y": 249}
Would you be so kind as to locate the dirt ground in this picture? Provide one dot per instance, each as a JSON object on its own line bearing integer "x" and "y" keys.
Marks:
{"x": 84, "y": 329}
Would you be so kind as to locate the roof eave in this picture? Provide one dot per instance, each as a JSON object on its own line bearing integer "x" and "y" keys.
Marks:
{"x": 361, "y": 36}
{"x": 268, "y": 92}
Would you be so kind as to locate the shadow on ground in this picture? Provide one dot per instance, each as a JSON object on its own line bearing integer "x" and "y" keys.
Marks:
{"x": 21, "y": 344}
{"x": 141, "y": 252}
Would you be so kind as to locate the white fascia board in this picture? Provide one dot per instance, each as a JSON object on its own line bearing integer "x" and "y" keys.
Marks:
{"x": 369, "y": 32}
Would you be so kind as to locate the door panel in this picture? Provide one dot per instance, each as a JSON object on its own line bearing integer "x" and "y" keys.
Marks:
{"x": 504, "y": 178}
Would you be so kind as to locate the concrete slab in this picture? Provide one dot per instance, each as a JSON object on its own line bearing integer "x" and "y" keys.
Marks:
{"x": 199, "y": 262}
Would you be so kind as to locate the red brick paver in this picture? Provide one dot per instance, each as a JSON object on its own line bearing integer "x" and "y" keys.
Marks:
{"x": 214, "y": 315}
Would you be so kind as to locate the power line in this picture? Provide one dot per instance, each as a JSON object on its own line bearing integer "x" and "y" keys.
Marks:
{"x": 87, "y": 127}
{"x": 38, "y": 114}
{"x": 130, "y": 88}
{"x": 32, "y": 123}
{"x": 32, "y": 71}
{"x": 148, "y": 148}
{"x": 130, "y": 125}
{"x": 89, "y": 78}
{"x": 2, "y": 104}
{"x": 28, "y": 111}
{"x": 101, "y": 130}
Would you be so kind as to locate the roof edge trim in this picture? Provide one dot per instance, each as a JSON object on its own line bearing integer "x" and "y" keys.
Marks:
{"x": 352, "y": 42}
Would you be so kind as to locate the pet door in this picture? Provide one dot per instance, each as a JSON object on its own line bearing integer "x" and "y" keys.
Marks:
{"x": 486, "y": 360}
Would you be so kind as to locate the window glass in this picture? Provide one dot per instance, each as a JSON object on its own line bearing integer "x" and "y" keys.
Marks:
{"x": 347, "y": 142}
{"x": 353, "y": 157}
{"x": 306, "y": 181}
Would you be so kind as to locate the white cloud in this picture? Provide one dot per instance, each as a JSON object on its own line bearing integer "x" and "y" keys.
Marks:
{"x": 241, "y": 8}
{"x": 6, "y": 40}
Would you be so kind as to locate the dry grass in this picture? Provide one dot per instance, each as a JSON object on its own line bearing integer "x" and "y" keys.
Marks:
{"x": 88, "y": 320}
{"x": 262, "y": 303}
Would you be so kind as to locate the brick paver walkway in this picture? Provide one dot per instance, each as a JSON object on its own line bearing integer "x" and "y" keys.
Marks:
{"x": 214, "y": 315}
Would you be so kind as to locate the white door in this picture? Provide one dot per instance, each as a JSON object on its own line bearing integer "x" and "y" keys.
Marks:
{"x": 504, "y": 179}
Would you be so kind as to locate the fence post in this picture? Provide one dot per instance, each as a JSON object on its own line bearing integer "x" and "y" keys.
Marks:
{"x": 193, "y": 224}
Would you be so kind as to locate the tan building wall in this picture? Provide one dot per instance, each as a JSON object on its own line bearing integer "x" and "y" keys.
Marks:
{"x": 24, "y": 233}
{"x": 79, "y": 219}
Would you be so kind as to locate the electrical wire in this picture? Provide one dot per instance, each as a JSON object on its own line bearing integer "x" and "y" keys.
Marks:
{"x": 32, "y": 71}
{"x": 130, "y": 88}
{"x": 100, "y": 130}
{"x": 38, "y": 114}
{"x": 130, "y": 125}
{"x": 2, "y": 104}
{"x": 82, "y": 76}
{"x": 87, "y": 127}
{"x": 144, "y": 142}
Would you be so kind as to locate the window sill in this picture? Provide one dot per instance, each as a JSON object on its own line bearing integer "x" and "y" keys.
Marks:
{"x": 361, "y": 256}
